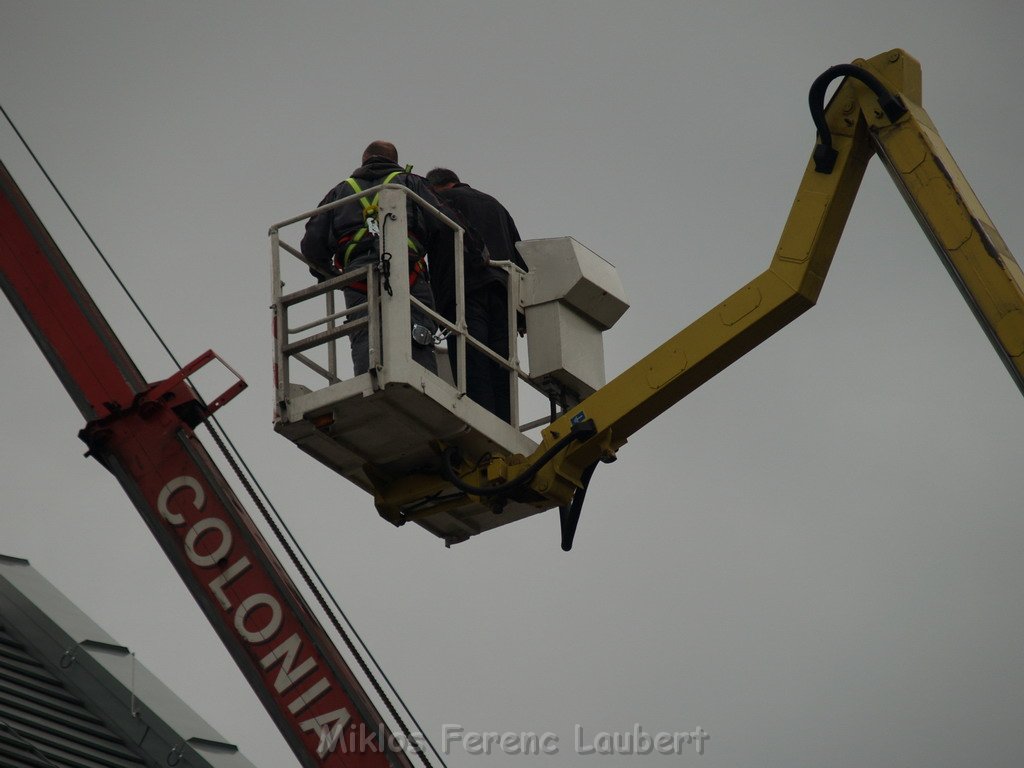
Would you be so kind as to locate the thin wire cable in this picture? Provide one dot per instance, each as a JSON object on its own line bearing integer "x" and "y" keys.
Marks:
{"x": 319, "y": 579}
{"x": 417, "y": 749}
{"x": 250, "y": 482}
{"x": 88, "y": 236}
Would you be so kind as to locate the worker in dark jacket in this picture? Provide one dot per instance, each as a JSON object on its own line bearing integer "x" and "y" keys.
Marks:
{"x": 347, "y": 238}
{"x": 487, "y": 383}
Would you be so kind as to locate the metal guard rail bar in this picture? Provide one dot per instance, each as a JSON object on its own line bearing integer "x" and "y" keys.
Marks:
{"x": 327, "y": 287}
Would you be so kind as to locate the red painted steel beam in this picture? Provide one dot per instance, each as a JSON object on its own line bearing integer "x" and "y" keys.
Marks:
{"x": 142, "y": 434}
{"x": 65, "y": 322}
{"x": 241, "y": 586}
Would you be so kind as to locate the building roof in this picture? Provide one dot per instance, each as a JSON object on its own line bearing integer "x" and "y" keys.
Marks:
{"x": 71, "y": 696}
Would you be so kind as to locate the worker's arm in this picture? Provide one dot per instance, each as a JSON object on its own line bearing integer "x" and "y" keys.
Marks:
{"x": 317, "y": 246}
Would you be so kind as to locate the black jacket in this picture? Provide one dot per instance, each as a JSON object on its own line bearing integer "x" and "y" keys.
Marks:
{"x": 320, "y": 243}
{"x": 490, "y": 220}
{"x": 484, "y": 217}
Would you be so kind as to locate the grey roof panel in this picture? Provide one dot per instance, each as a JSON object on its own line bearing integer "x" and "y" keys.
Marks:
{"x": 70, "y": 696}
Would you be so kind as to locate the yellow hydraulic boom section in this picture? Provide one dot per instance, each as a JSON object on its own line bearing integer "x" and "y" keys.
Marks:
{"x": 876, "y": 110}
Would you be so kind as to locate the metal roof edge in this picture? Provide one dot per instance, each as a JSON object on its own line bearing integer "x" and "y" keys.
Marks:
{"x": 135, "y": 704}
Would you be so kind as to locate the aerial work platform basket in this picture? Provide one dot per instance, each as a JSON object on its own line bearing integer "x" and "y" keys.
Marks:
{"x": 387, "y": 430}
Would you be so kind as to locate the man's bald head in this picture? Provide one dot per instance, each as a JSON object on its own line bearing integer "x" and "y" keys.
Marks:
{"x": 384, "y": 149}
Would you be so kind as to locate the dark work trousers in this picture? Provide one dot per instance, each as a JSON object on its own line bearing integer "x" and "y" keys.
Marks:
{"x": 487, "y": 382}
{"x": 360, "y": 339}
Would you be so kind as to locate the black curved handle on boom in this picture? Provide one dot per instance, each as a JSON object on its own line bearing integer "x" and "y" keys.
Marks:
{"x": 824, "y": 154}
{"x": 875, "y": 111}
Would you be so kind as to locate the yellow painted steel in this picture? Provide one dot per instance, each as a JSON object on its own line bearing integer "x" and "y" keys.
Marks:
{"x": 963, "y": 235}
{"x": 935, "y": 189}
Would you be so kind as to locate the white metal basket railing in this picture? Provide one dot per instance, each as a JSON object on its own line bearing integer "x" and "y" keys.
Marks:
{"x": 386, "y": 313}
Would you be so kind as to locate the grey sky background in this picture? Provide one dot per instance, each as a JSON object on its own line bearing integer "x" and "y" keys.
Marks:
{"x": 815, "y": 557}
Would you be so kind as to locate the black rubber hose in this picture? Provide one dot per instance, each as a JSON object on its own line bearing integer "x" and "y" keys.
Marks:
{"x": 824, "y": 154}
{"x": 582, "y": 431}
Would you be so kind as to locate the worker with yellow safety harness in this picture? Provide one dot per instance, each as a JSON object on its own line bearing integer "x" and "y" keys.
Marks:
{"x": 347, "y": 238}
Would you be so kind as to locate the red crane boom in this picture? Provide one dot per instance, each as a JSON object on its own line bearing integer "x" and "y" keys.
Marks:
{"x": 143, "y": 434}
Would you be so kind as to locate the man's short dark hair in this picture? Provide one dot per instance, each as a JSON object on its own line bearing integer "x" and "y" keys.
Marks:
{"x": 440, "y": 176}
{"x": 378, "y": 148}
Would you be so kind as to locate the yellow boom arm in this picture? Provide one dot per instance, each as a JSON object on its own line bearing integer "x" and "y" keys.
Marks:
{"x": 876, "y": 110}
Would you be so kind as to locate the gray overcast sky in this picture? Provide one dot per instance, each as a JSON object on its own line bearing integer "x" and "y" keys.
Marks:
{"x": 815, "y": 557}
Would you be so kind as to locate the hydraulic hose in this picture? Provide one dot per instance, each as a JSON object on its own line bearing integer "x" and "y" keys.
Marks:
{"x": 582, "y": 431}
{"x": 824, "y": 154}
